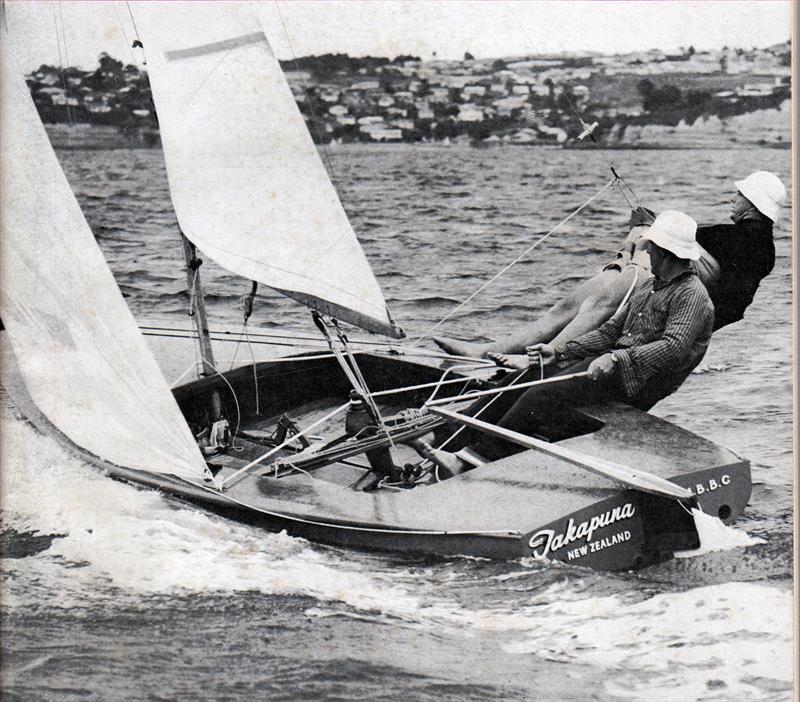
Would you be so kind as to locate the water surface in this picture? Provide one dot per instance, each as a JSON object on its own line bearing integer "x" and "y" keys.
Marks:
{"x": 116, "y": 593}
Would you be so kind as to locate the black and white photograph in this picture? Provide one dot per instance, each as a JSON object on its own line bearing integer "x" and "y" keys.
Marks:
{"x": 428, "y": 350}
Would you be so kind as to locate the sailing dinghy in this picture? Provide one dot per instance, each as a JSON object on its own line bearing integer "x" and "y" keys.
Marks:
{"x": 317, "y": 447}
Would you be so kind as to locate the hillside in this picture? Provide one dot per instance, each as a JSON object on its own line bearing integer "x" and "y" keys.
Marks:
{"x": 520, "y": 100}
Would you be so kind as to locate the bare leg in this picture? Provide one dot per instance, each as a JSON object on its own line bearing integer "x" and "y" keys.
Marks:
{"x": 585, "y": 308}
{"x": 600, "y": 305}
{"x": 448, "y": 463}
{"x": 539, "y": 331}
{"x": 462, "y": 348}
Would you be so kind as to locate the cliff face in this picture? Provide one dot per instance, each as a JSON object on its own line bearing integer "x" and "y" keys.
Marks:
{"x": 758, "y": 128}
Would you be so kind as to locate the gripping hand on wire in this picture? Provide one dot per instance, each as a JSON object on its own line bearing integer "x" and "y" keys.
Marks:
{"x": 541, "y": 353}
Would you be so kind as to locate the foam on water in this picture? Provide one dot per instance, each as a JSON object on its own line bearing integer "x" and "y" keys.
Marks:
{"x": 122, "y": 543}
{"x": 730, "y": 641}
{"x": 716, "y": 536}
{"x": 136, "y": 541}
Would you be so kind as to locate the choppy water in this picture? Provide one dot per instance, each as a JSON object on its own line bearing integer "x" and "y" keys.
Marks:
{"x": 116, "y": 593}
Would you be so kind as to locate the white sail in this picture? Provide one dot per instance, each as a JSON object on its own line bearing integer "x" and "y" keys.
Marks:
{"x": 247, "y": 183}
{"x": 80, "y": 353}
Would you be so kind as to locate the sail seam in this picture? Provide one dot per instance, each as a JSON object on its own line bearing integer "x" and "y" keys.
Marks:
{"x": 218, "y": 46}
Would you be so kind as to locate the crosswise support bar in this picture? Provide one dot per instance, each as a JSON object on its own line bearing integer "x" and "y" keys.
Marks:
{"x": 637, "y": 479}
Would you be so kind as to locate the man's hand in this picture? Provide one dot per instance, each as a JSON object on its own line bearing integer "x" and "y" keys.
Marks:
{"x": 601, "y": 367}
{"x": 540, "y": 352}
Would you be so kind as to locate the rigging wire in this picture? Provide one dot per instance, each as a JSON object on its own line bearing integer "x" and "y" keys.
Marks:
{"x": 138, "y": 40}
{"x": 588, "y": 130}
{"x": 70, "y": 111}
{"x": 246, "y": 307}
{"x": 357, "y": 371}
{"x": 239, "y": 474}
{"x": 292, "y": 342}
{"x": 310, "y": 103}
{"x": 125, "y": 36}
{"x": 61, "y": 60}
{"x": 266, "y": 335}
{"x": 515, "y": 261}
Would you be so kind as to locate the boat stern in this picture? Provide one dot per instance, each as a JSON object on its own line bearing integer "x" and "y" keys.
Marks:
{"x": 634, "y": 529}
{"x": 721, "y": 491}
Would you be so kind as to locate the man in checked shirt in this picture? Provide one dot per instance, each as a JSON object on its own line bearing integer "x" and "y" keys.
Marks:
{"x": 639, "y": 356}
{"x": 645, "y": 352}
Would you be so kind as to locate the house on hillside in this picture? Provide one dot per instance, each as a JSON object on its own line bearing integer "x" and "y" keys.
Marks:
{"x": 366, "y": 85}
{"x": 386, "y": 135}
{"x": 469, "y": 113}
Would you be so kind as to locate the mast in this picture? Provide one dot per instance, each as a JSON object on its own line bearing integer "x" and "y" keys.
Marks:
{"x": 198, "y": 305}
{"x": 232, "y": 133}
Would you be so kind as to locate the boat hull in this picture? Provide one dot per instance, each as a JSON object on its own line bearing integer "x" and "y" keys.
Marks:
{"x": 627, "y": 531}
{"x": 526, "y": 506}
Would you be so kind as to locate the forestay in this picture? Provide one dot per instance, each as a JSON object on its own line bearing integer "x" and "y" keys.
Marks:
{"x": 247, "y": 183}
{"x": 83, "y": 360}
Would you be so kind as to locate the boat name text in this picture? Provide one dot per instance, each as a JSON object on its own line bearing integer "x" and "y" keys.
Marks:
{"x": 712, "y": 485}
{"x": 598, "y": 545}
{"x": 545, "y": 541}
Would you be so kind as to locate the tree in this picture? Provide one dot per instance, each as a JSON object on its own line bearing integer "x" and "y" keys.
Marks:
{"x": 645, "y": 88}
{"x": 108, "y": 75}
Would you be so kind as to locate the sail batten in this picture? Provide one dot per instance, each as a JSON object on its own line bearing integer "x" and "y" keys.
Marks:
{"x": 247, "y": 184}
{"x": 78, "y": 349}
{"x": 217, "y": 46}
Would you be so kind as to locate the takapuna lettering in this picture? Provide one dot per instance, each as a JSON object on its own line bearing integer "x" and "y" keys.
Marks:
{"x": 545, "y": 541}
{"x": 712, "y": 485}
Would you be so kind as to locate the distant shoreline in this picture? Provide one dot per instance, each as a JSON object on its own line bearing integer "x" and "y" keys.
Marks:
{"x": 90, "y": 137}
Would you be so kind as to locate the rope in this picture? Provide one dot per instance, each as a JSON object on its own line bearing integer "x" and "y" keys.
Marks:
{"x": 515, "y": 261}
{"x": 352, "y": 371}
{"x": 627, "y": 294}
{"x": 481, "y": 410}
{"x": 182, "y": 375}
{"x": 255, "y": 369}
{"x": 238, "y": 343}
{"x": 442, "y": 380}
{"x": 425, "y": 463}
{"x": 235, "y": 400}
{"x": 230, "y": 480}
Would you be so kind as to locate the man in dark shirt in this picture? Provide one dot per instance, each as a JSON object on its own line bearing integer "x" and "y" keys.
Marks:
{"x": 735, "y": 259}
{"x": 744, "y": 250}
{"x": 639, "y": 356}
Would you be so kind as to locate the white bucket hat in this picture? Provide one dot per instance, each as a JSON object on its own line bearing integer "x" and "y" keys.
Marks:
{"x": 675, "y": 232}
{"x": 765, "y": 191}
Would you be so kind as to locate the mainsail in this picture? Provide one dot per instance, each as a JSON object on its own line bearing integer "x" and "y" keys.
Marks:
{"x": 79, "y": 351}
{"x": 247, "y": 183}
